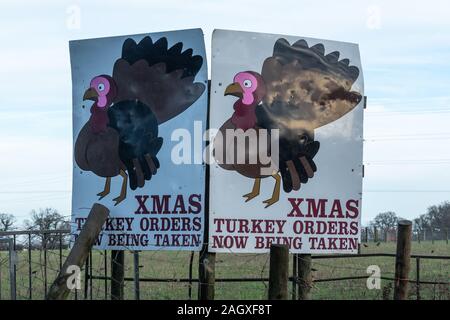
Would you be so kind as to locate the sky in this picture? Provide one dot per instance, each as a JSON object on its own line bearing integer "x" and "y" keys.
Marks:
{"x": 405, "y": 52}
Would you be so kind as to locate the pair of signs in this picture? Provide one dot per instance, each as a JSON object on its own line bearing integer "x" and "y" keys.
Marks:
{"x": 284, "y": 142}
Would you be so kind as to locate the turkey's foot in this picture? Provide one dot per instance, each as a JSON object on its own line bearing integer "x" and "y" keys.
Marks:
{"x": 123, "y": 190}
{"x": 276, "y": 191}
{"x": 106, "y": 189}
{"x": 255, "y": 190}
{"x": 119, "y": 199}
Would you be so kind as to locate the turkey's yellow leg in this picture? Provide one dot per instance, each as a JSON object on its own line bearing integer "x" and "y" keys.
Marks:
{"x": 276, "y": 191}
{"x": 123, "y": 190}
{"x": 255, "y": 190}
{"x": 106, "y": 189}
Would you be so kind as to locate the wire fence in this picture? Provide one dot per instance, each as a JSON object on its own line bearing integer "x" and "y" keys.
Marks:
{"x": 376, "y": 234}
{"x": 37, "y": 257}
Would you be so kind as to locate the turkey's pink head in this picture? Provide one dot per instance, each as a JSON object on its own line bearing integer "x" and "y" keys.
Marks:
{"x": 249, "y": 86}
{"x": 102, "y": 90}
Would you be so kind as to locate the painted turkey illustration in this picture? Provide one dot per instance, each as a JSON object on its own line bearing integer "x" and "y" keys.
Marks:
{"x": 299, "y": 90}
{"x": 150, "y": 84}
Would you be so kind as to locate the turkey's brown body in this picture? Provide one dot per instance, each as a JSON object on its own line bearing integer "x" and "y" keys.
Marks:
{"x": 253, "y": 150}
{"x": 98, "y": 152}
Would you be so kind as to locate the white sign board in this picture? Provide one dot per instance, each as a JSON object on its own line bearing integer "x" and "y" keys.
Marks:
{"x": 292, "y": 172}
{"x": 132, "y": 96}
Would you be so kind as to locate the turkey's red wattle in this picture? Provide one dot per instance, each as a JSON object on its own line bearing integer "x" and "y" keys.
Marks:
{"x": 244, "y": 116}
{"x": 99, "y": 119}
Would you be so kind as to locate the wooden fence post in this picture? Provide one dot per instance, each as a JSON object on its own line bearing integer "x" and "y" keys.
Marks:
{"x": 446, "y": 235}
{"x": 402, "y": 260}
{"x": 304, "y": 276}
{"x": 375, "y": 234}
{"x": 367, "y": 234}
{"x": 191, "y": 265}
{"x": 206, "y": 274}
{"x": 206, "y": 260}
{"x": 279, "y": 272}
{"x": 80, "y": 251}
{"x": 137, "y": 289}
{"x": 418, "y": 278}
{"x": 117, "y": 274}
{"x": 432, "y": 235}
{"x": 294, "y": 278}
{"x": 86, "y": 278}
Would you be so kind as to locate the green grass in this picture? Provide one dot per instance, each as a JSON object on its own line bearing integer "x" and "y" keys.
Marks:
{"x": 176, "y": 265}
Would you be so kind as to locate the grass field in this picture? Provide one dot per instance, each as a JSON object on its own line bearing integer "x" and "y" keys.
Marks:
{"x": 176, "y": 265}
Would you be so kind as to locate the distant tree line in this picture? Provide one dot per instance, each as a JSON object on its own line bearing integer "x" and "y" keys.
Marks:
{"x": 40, "y": 220}
{"x": 437, "y": 218}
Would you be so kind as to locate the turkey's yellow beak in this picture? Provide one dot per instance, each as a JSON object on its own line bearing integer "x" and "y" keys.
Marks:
{"x": 90, "y": 94}
{"x": 234, "y": 89}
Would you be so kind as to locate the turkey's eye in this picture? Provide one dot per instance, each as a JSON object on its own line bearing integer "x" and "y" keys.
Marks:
{"x": 247, "y": 83}
{"x": 101, "y": 87}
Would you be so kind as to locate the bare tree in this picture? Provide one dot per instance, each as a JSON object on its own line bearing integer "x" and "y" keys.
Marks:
{"x": 438, "y": 216}
{"x": 385, "y": 220}
{"x": 7, "y": 222}
{"x": 419, "y": 223}
{"x": 43, "y": 220}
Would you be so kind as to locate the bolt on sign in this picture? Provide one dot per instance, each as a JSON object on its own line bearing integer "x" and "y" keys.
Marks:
{"x": 288, "y": 151}
{"x": 131, "y": 94}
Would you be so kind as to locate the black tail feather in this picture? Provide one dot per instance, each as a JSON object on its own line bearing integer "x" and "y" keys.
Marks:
{"x": 132, "y": 176}
{"x": 159, "y": 52}
{"x": 156, "y": 162}
{"x": 146, "y": 169}
{"x": 294, "y": 153}
{"x": 300, "y": 170}
{"x": 285, "y": 177}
